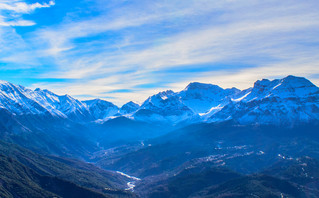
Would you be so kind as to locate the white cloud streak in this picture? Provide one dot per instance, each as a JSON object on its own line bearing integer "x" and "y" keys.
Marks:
{"x": 16, "y": 8}
{"x": 22, "y": 7}
{"x": 17, "y": 23}
{"x": 275, "y": 38}
{"x": 13, "y": 47}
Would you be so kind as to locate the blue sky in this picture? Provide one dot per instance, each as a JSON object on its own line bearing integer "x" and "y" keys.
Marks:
{"x": 124, "y": 50}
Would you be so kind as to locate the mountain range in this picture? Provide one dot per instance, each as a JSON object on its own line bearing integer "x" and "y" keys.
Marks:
{"x": 267, "y": 102}
{"x": 40, "y": 119}
{"x": 203, "y": 141}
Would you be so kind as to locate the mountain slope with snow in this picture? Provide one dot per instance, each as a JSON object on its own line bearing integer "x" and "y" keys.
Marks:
{"x": 289, "y": 87}
{"x": 23, "y": 101}
{"x": 290, "y": 100}
{"x": 129, "y": 107}
{"x": 101, "y": 109}
{"x": 202, "y": 97}
{"x": 19, "y": 100}
{"x": 165, "y": 106}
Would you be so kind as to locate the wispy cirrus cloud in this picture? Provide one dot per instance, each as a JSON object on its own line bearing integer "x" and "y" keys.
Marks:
{"x": 129, "y": 45}
{"x": 15, "y": 52}
{"x": 17, "y": 23}
{"x": 61, "y": 38}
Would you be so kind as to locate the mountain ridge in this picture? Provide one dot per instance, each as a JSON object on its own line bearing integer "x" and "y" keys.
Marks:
{"x": 198, "y": 102}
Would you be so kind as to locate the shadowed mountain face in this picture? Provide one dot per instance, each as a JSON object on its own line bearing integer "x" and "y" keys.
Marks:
{"x": 18, "y": 180}
{"x": 122, "y": 130}
{"x": 186, "y": 182}
{"x": 245, "y": 149}
{"x": 254, "y": 186}
{"x": 302, "y": 171}
{"x": 27, "y": 174}
{"x": 208, "y": 180}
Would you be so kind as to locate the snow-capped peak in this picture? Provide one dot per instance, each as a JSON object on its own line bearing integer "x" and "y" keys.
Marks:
{"x": 202, "y": 97}
{"x": 21, "y": 101}
{"x": 287, "y": 87}
{"x": 3, "y": 82}
{"x": 16, "y": 99}
{"x": 280, "y": 101}
{"x": 129, "y": 107}
{"x": 201, "y": 86}
{"x": 101, "y": 109}
{"x": 296, "y": 86}
{"x": 157, "y": 99}
{"x": 165, "y": 94}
